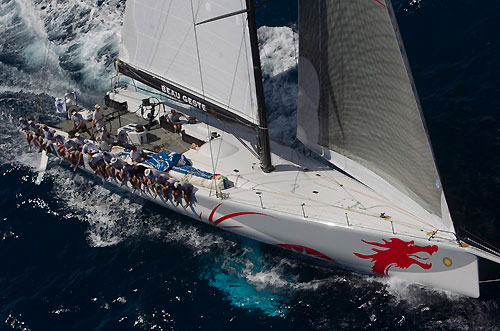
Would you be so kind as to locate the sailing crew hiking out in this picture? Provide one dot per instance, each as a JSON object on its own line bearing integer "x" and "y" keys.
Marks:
{"x": 40, "y": 135}
{"x": 98, "y": 156}
{"x": 79, "y": 152}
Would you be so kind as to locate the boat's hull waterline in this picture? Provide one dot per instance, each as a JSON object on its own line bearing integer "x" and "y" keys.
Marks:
{"x": 435, "y": 264}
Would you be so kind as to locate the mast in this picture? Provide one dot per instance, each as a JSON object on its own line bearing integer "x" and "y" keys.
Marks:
{"x": 263, "y": 132}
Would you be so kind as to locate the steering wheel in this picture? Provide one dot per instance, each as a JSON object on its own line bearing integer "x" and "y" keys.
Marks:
{"x": 153, "y": 111}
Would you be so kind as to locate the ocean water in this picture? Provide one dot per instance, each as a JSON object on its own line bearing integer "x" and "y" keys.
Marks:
{"x": 79, "y": 256}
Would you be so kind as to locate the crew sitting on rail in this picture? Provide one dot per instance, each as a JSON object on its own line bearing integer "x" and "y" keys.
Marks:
{"x": 23, "y": 123}
{"x": 136, "y": 178}
{"x": 47, "y": 139}
{"x": 187, "y": 190}
{"x": 150, "y": 176}
{"x": 36, "y": 132}
{"x": 59, "y": 139}
{"x": 102, "y": 162}
{"x": 177, "y": 192}
{"x": 124, "y": 172}
{"x": 167, "y": 185}
{"x": 25, "y": 127}
{"x": 78, "y": 123}
{"x": 107, "y": 161}
{"x": 116, "y": 167}
{"x": 73, "y": 153}
{"x": 96, "y": 162}
{"x": 162, "y": 184}
{"x": 79, "y": 139}
{"x": 89, "y": 146}
{"x": 175, "y": 119}
{"x": 61, "y": 147}
{"x": 88, "y": 149}
{"x": 133, "y": 174}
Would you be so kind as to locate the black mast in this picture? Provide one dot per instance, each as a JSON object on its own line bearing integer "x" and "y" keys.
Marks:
{"x": 264, "y": 146}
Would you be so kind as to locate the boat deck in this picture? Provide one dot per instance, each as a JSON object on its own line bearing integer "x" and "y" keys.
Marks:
{"x": 300, "y": 186}
{"x": 158, "y": 139}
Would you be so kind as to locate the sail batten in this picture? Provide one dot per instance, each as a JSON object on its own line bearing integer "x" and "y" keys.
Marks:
{"x": 357, "y": 98}
{"x": 212, "y": 60}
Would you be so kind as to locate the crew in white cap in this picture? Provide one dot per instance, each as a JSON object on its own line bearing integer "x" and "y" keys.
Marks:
{"x": 161, "y": 184}
{"x": 150, "y": 176}
{"x": 177, "y": 193}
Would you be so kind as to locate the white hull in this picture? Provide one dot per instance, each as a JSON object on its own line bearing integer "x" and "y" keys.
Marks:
{"x": 320, "y": 212}
{"x": 405, "y": 257}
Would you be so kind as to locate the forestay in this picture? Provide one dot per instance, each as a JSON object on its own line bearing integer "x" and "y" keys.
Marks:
{"x": 358, "y": 102}
{"x": 211, "y": 61}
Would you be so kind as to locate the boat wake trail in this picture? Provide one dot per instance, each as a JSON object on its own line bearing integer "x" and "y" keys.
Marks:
{"x": 111, "y": 216}
{"x": 52, "y": 47}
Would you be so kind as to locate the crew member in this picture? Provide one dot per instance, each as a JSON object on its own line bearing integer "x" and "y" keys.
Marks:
{"x": 162, "y": 184}
{"x": 176, "y": 192}
{"x": 175, "y": 119}
{"x": 98, "y": 118}
{"x": 79, "y": 123}
{"x": 150, "y": 176}
{"x": 186, "y": 190}
{"x": 137, "y": 154}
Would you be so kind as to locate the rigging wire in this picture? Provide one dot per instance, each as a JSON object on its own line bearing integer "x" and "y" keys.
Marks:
{"x": 243, "y": 46}
{"x": 229, "y": 102}
{"x": 203, "y": 93}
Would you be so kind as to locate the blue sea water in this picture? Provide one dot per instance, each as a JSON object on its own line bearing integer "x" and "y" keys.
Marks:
{"x": 79, "y": 256}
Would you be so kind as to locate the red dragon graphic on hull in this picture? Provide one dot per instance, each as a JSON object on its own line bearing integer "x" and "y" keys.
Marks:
{"x": 398, "y": 253}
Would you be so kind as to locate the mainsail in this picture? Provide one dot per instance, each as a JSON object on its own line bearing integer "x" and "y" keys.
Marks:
{"x": 357, "y": 98}
{"x": 208, "y": 62}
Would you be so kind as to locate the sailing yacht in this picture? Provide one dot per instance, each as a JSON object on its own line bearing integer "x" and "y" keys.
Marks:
{"x": 359, "y": 188}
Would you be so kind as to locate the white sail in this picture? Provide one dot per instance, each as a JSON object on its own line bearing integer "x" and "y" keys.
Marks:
{"x": 358, "y": 105}
{"x": 211, "y": 61}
